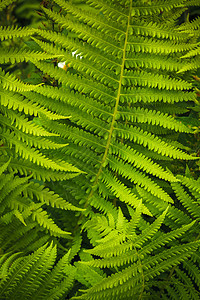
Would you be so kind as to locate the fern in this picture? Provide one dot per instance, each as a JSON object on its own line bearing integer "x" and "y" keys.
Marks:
{"x": 127, "y": 251}
{"x": 112, "y": 116}
{"x": 10, "y": 32}
{"x": 32, "y": 277}
{"x": 19, "y": 202}
{"x": 14, "y": 56}
{"x": 16, "y": 109}
{"x": 191, "y": 28}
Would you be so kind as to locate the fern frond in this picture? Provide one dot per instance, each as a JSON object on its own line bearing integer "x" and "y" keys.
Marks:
{"x": 190, "y": 183}
{"x": 152, "y": 117}
{"x": 16, "y": 56}
{"x": 125, "y": 280}
{"x": 87, "y": 33}
{"x": 42, "y": 218}
{"x": 189, "y": 26}
{"x": 85, "y": 103}
{"x": 177, "y": 217}
{"x": 54, "y": 286}
{"x": 122, "y": 192}
{"x": 130, "y": 279}
{"x": 41, "y": 174}
{"x": 4, "y": 166}
{"x": 81, "y": 84}
{"x": 32, "y": 154}
{"x": 39, "y": 142}
{"x": 12, "y": 32}
{"x": 192, "y": 65}
{"x": 111, "y": 10}
{"x": 78, "y": 136}
{"x": 193, "y": 52}
{"x": 192, "y": 3}
{"x": 187, "y": 201}
{"x": 106, "y": 249}
{"x": 10, "y": 82}
{"x": 137, "y": 159}
{"x": 192, "y": 270}
{"x": 108, "y": 62}
{"x": 146, "y": 95}
{"x": 156, "y": 30}
{"x": 143, "y": 9}
{"x": 157, "y": 62}
{"x": 13, "y": 187}
{"x": 5, "y": 262}
{"x": 184, "y": 284}
{"x": 31, "y": 277}
{"x": 12, "y": 280}
{"x": 22, "y": 123}
{"x": 98, "y": 21}
{"x": 147, "y": 45}
{"x": 49, "y": 197}
{"x": 151, "y": 141}
{"x": 138, "y": 178}
{"x": 17, "y": 101}
{"x": 155, "y": 81}
{"x": 62, "y": 287}
{"x": 109, "y": 78}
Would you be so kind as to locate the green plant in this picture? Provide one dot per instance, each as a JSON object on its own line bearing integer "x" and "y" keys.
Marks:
{"x": 32, "y": 277}
{"x": 112, "y": 116}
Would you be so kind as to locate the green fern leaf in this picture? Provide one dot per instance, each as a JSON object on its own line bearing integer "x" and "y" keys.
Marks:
{"x": 11, "y": 32}
{"x": 10, "y": 82}
{"x": 49, "y": 198}
{"x": 14, "y": 56}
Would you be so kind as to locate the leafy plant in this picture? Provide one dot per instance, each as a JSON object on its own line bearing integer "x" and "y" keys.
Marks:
{"x": 32, "y": 277}
{"x": 112, "y": 115}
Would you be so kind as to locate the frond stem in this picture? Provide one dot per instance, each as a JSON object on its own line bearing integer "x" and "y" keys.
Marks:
{"x": 115, "y": 109}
